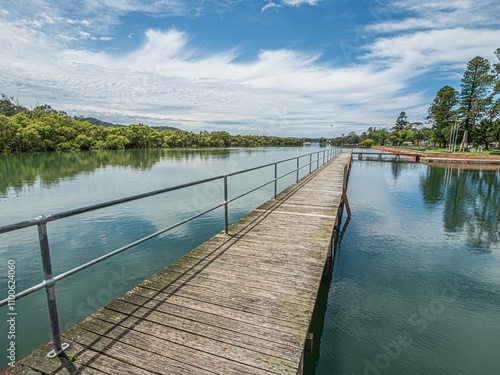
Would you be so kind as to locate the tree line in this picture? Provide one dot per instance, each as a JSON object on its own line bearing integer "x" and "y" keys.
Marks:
{"x": 475, "y": 110}
{"x": 45, "y": 129}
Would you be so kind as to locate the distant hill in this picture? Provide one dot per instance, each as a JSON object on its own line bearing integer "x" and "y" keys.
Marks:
{"x": 162, "y": 128}
{"x": 97, "y": 122}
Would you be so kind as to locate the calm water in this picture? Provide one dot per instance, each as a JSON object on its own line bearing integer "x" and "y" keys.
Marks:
{"x": 416, "y": 287}
{"x": 34, "y": 184}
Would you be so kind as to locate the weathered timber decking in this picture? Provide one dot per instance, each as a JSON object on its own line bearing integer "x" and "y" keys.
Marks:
{"x": 237, "y": 304}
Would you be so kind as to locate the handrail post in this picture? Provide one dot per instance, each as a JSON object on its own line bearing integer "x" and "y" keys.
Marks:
{"x": 55, "y": 326}
{"x": 297, "y": 169}
{"x": 310, "y": 162}
{"x": 317, "y": 160}
{"x": 275, "y": 179}
{"x": 226, "y": 208}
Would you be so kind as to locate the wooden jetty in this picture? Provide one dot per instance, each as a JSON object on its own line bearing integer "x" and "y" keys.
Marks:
{"x": 238, "y": 304}
{"x": 397, "y": 157}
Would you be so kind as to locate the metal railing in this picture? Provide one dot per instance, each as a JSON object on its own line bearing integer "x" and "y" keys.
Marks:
{"x": 41, "y": 221}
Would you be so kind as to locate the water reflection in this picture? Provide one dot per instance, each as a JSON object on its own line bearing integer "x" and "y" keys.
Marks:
{"x": 406, "y": 247}
{"x": 22, "y": 170}
{"x": 471, "y": 202}
{"x": 19, "y": 171}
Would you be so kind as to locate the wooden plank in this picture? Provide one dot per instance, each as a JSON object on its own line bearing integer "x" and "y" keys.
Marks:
{"x": 282, "y": 308}
{"x": 152, "y": 339}
{"x": 218, "y": 316}
{"x": 134, "y": 356}
{"x": 185, "y": 336}
{"x": 223, "y": 329}
{"x": 40, "y": 363}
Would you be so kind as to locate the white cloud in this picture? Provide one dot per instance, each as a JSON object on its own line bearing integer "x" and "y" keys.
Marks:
{"x": 270, "y": 5}
{"x": 282, "y": 92}
{"x": 291, "y": 3}
{"x": 296, "y": 3}
{"x": 84, "y": 35}
{"x": 428, "y": 48}
{"x": 407, "y": 15}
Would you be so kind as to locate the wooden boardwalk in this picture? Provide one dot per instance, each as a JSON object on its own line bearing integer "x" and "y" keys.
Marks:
{"x": 237, "y": 304}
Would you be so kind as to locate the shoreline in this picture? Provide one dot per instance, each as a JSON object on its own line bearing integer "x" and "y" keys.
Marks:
{"x": 445, "y": 158}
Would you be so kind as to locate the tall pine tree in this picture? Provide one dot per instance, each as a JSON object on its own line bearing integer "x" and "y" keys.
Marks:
{"x": 476, "y": 94}
{"x": 495, "y": 108}
{"x": 401, "y": 122}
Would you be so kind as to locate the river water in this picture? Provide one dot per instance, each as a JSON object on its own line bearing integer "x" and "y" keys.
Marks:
{"x": 416, "y": 285}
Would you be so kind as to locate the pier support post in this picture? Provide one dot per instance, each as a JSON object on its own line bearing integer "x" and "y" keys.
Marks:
{"x": 226, "y": 208}
{"x": 331, "y": 251}
{"x": 55, "y": 325}
{"x": 300, "y": 370}
{"x": 275, "y": 179}
{"x": 360, "y": 157}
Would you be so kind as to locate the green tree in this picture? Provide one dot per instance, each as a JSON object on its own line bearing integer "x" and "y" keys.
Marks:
{"x": 9, "y": 106}
{"x": 351, "y": 139}
{"x": 475, "y": 96}
{"x": 485, "y": 132}
{"x": 366, "y": 143}
{"x": 442, "y": 112}
{"x": 401, "y": 122}
{"x": 495, "y": 108}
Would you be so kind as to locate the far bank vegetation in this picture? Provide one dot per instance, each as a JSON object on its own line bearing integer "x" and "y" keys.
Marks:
{"x": 45, "y": 129}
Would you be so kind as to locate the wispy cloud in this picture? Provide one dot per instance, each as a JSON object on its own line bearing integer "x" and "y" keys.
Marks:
{"x": 281, "y": 92}
{"x": 86, "y": 35}
{"x": 291, "y": 3}
{"x": 408, "y": 15}
{"x": 169, "y": 79}
{"x": 270, "y": 5}
{"x": 296, "y": 3}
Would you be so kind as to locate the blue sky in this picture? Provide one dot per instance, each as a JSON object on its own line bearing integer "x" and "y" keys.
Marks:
{"x": 280, "y": 67}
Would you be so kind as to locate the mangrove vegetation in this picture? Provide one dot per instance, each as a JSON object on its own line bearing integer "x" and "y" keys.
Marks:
{"x": 45, "y": 129}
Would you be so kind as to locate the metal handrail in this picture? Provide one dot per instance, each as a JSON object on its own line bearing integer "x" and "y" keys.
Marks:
{"x": 41, "y": 222}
